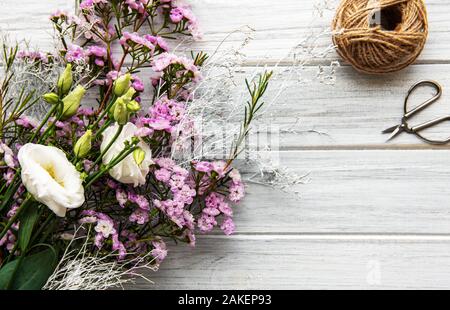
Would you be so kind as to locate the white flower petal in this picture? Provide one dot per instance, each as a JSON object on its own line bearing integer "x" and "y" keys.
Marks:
{"x": 127, "y": 171}
{"x": 51, "y": 178}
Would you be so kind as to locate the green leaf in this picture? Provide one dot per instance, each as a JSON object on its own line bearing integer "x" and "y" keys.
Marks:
{"x": 32, "y": 273}
{"x": 27, "y": 221}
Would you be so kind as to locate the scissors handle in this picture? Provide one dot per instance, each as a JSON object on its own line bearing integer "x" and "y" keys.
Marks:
{"x": 427, "y": 103}
{"x": 430, "y": 123}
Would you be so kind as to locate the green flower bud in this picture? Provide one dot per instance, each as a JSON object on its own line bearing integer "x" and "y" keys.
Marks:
{"x": 83, "y": 145}
{"x": 139, "y": 156}
{"x": 65, "y": 80}
{"x": 72, "y": 101}
{"x": 121, "y": 112}
{"x": 133, "y": 106}
{"x": 83, "y": 176}
{"x": 51, "y": 98}
{"x": 129, "y": 94}
{"x": 135, "y": 140}
{"x": 122, "y": 85}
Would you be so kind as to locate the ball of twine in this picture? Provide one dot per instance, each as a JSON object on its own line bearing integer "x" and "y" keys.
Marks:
{"x": 380, "y": 36}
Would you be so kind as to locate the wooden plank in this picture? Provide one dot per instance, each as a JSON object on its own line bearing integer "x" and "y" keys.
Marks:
{"x": 354, "y": 192}
{"x": 293, "y": 262}
{"x": 279, "y": 27}
{"x": 352, "y": 113}
{"x": 347, "y": 115}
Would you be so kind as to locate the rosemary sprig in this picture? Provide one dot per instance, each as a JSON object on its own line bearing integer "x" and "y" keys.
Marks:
{"x": 256, "y": 89}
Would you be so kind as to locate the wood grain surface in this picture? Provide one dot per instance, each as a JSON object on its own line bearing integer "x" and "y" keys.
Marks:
{"x": 372, "y": 215}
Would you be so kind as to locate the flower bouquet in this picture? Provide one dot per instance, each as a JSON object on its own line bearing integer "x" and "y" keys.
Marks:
{"x": 91, "y": 185}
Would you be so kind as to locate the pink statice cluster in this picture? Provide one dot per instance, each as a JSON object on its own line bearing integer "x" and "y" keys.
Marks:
{"x": 164, "y": 115}
{"x": 180, "y": 12}
{"x": 98, "y": 53}
{"x": 75, "y": 53}
{"x": 182, "y": 67}
{"x": 139, "y": 6}
{"x": 105, "y": 229}
{"x": 89, "y": 4}
{"x": 217, "y": 204}
{"x": 135, "y": 41}
{"x": 33, "y": 56}
{"x": 9, "y": 240}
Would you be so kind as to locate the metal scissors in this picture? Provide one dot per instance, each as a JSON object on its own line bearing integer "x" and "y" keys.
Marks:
{"x": 415, "y": 130}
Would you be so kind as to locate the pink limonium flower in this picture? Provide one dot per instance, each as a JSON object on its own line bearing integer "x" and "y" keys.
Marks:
{"x": 26, "y": 122}
{"x": 185, "y": 194}
{"x": 165, "y": 60}
{"x": 144, "y": 132}
{"x": 138, "y": 5}
{"x": 86, "y": 111}
{"x": 75, "y": 53}
{"x": 9, "y": 176}
{"x": 58, "y": 14}
{"x": 176, "y": 15}
{"x": 105, "y": 227}
{"x": 9, "y": 241}
{"x": 184, "y": 12}
{"x": 169, "y": 109}
{"x": 235, "y": 175}
{"x": 135, "y": 40}
{"x": 33, "y": 56}
{"x": 190, "y": 236}
{"x": 237, "y": 192}
{"x": 138, "y": 85}
{"x": 140, "y": 200}
{"x": 8, "y": 155}
{"x": 204, "y": 166}
{"x": 163, "y": 175}
{"x": 219, "y": 168}
{"x": 158, "y": 42}
{"x": 159, "y": 251}
{"x": 89, "y": 4}
{"x": 119, "y": 247}
{"x": 225, "y": 209}
{"x": 121, "y": 197}
{"x": 160, "y": 124}
{"x": 99, "y": 53}
{"x": 139, "y": 216}
{"x": 165, "y": 162}
{"x": 228, "y": 226}
{"x": 206, "y": 223}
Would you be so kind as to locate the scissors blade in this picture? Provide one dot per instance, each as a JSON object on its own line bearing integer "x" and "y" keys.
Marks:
{"x": 391, "y": 129}
{"x": 395, "y": 133}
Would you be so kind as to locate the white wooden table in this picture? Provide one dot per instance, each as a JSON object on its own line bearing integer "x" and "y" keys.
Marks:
{"x": 374, "y": 215}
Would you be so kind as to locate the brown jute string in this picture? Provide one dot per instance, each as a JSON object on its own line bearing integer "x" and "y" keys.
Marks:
{"x": 371, "y": 48}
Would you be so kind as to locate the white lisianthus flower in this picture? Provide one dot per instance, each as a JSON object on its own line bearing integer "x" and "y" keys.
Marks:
{"x": 127, "y": 171}
{"x": 50, "y": 178}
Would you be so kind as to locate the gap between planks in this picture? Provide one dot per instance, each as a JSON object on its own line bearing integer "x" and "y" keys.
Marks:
{"x": 335, "y": 236}
{"x": 387, "y": 147}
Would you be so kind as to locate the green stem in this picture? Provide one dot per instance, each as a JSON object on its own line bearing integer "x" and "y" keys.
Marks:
{"x": 52, "y": 125}
{"x": 10, "y": 190}
{"x": 104, "y": 112}
{"x": 49, "y": 114}
{"x": 111, "y": 165}
{"x": 13, "y": 219}
{"x": 102, "y": 129}
{"x": 42, "y": 227}
{"x": 119, "y": 131}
